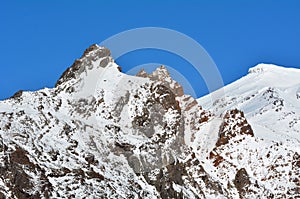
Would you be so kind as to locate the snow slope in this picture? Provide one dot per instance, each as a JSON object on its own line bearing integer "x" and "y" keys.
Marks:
{"x": 269, "y": 97}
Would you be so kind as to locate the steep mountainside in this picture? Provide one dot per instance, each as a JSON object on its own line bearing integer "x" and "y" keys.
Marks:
{"x": 103, "y": 134}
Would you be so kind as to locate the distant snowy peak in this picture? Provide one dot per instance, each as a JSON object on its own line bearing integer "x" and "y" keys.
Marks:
{"x": 269, "y": 96}
{"x": 268, "y": 75}
{"x": 261, "y": 77}
{"x": 262, "y": 67}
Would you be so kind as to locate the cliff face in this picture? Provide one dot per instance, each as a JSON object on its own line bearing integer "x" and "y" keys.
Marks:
{"x": 103, "y": 134}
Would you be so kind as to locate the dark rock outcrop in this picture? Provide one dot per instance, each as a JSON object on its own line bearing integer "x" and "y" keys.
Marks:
{"x": 234, "y": 123}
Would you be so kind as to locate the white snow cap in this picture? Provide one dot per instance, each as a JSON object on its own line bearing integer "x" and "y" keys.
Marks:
{"x": 263, "y": 67}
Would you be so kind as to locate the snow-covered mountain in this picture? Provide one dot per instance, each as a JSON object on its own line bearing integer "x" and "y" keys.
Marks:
{"x": 103, "y": 134}
{"x": 269, "y": 100}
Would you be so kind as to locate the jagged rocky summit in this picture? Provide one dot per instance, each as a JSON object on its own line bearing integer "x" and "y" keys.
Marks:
{"x": 103, "y": 134}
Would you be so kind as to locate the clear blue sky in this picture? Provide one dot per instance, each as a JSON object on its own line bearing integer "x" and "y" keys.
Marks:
{"x": 40, "y": 39}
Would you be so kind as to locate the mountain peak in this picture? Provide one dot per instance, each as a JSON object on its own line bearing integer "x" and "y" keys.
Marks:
{"x": 93, "y": 57}
{"x": 161, "y": 72}
{"x": 263, "y": 67}
{"x": 93, "y": 49}
{"x": 162, "y": 75}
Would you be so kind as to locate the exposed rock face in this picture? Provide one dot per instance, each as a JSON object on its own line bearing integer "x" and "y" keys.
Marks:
{"x": 242, "y": 182}
{"x": 234, "y": 124}
{"x": 17, "y": 94}
{"x": 298, "y": 93}
{"x": 162, "y": 75}
{"x": 18, "y": 172}
{"x": 100, "y": 133}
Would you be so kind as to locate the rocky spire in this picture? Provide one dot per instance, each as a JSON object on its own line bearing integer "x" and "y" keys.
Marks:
{"x": 162, "y": 75}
